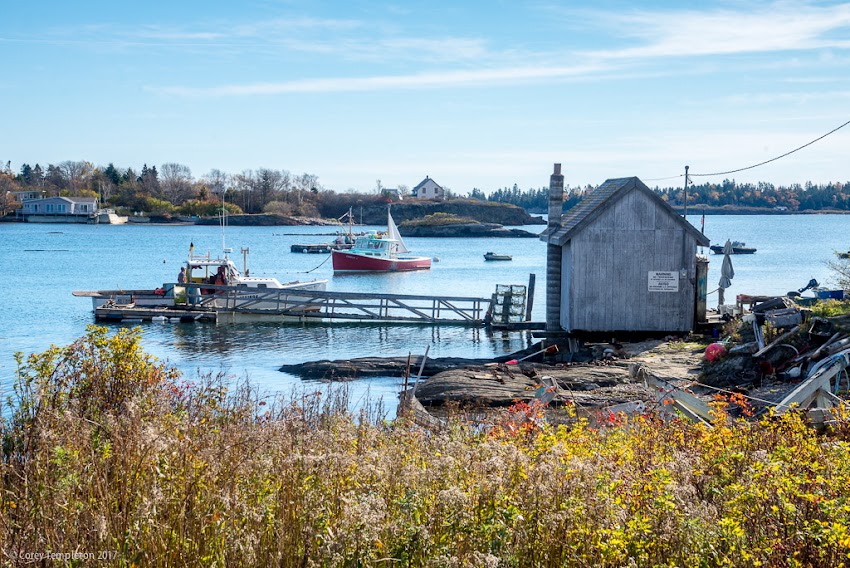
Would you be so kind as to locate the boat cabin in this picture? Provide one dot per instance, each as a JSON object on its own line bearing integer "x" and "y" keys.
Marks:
{"x": 203, "y": 270}
{"x": 376, "y": 244}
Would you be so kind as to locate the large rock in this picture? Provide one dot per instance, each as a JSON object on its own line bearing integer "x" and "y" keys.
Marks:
{"x": 503, "y": 385}
{"x": 346, "y": 370}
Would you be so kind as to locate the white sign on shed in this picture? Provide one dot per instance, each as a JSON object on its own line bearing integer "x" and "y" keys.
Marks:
{"x": 663, "y": 281}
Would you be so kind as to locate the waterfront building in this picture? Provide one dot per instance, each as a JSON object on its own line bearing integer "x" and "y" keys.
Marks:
{"x": 620, "y": 260}
{"x": 59, "y": 209}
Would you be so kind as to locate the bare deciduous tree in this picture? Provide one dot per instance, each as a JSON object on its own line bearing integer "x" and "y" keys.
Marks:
{"x": 176, "y": 182}
{"x": 77, "y": 174}
{"x": 217, "y": 181}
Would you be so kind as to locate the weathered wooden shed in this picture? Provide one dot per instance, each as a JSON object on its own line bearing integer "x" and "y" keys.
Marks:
{"x": 620, "y": 260}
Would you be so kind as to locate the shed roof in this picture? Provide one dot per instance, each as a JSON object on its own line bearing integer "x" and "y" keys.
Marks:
{"x": 603, "y": 197}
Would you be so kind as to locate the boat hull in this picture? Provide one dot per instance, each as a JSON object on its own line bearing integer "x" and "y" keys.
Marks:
{"x": 735, "y": 250}
{"x": 352, "y": 262}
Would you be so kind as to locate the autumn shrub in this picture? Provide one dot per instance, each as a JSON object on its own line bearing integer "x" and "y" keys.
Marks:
{"x": 106, "y": 449}
{"x": 831, "y": 308}
{"x": 278, "y": 208}
{"x": 206, "y": 208}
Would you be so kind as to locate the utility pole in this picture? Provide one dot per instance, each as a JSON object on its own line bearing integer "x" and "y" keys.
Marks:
{"x": 686, "y": 191}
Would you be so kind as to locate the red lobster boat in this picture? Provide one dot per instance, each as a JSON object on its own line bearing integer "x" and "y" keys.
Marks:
{"x": 379, "y": 252}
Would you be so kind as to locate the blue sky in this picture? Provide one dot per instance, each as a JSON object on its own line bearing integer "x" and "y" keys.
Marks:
{"x": 473, "y": 94}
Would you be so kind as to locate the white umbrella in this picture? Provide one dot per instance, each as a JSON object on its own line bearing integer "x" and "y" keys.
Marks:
{"x": 726, "y": 272}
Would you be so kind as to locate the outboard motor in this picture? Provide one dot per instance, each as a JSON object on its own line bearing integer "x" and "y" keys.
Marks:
{"x": 812, "y": 284}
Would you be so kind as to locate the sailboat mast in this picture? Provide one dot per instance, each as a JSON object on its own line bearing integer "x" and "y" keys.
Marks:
{"x": 223, "y": 223}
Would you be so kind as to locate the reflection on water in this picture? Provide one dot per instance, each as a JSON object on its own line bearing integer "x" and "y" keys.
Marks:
{"x": 258, "y": 350}
{"x": 296, "y": 343}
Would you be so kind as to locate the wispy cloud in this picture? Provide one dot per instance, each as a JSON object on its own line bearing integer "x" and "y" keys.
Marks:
{"x": 353, "y": 84}
{"x": 784, "y": 26}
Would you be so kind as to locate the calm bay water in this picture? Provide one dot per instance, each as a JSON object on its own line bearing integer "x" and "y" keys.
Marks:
{"x": 44, "y": 263}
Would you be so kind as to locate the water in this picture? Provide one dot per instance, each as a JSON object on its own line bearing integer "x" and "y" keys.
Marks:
{"x": 44, "y": 263}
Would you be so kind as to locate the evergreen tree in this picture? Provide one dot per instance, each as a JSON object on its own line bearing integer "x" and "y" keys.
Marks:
{"x": 112, "y": 174}
{"x": 25, "y": 177}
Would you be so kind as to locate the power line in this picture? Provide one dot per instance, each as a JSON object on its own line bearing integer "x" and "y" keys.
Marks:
{"x": 665, "y": 178}
{"x": 776, "y": 158}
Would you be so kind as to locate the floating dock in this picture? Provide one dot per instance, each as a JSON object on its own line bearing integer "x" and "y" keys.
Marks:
{"x": 232, "y": 304}
{"x": 175, "y": 314}
{"x": 319, "y": 248}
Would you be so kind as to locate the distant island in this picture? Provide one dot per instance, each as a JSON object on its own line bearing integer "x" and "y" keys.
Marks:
{"x": 450, "y": 225}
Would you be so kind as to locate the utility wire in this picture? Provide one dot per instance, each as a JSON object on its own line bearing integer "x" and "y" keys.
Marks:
{"x": 754, "y": 165}
{"x": 776, "y": 158}
{"x": 665, "y": 178}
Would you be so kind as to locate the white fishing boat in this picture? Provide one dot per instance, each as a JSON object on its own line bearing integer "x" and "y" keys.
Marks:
{"x": 207, "y": 280}
{"x": 211, "y": 283}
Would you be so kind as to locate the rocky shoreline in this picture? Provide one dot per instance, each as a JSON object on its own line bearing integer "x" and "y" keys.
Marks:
{"x": 600, "y": 379}
{"x": 465, "y": 230}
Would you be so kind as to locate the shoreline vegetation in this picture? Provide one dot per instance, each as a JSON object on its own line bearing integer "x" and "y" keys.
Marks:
{"x": 173, "y": 192}
{"x": 106, "y": 449}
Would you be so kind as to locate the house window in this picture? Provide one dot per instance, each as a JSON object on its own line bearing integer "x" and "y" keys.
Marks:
{"x": 60, "y": 208}
{"x": 50, "y": 208}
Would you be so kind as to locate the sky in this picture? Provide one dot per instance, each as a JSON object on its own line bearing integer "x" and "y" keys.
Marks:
{"x": 473, "y": 94}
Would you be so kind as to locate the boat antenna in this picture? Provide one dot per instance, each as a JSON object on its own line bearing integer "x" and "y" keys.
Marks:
{"x": 223, "y": 223}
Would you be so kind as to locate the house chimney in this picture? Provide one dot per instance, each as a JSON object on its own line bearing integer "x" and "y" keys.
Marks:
{"x": 553, "y": 252}
{"x": 556, "y": 197}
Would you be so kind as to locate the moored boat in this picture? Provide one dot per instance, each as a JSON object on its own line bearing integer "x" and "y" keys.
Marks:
{"x": 495, "y": 256}
{"x": 379, "y": 252}
{"x": 737, "y": 248}
{"x": 198, "y": 272}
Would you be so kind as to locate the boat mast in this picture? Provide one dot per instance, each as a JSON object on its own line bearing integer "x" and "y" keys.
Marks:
{"x": 223, "y": 223}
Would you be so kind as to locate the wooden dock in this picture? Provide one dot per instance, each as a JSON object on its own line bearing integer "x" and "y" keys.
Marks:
{"x": 234, "y": 304}
{"x": 319, "y": 248}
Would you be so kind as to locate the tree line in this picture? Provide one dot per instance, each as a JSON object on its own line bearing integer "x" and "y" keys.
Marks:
{"x": 171, "y": 189}
{"x": 728, "y": 193}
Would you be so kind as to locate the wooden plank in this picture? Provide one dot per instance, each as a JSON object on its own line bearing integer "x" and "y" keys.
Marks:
{"x": 610, "y": 286}
{"x": 624, "y": 218}
{"x": 567, "y": 304}
{"x": 595, "y": 278}
{"x": 644, "y": 213}
{"x": 807, "y": 391}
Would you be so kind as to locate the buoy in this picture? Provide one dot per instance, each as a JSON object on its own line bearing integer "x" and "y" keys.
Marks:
{"x": 159, "y": 318}
{"x": 715, "y": 351}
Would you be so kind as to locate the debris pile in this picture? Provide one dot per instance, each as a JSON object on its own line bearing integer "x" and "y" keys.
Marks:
{"x": 783, "y": 355}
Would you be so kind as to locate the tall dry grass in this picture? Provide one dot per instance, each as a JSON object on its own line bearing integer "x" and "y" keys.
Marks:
{"x": 105, "y": 449}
